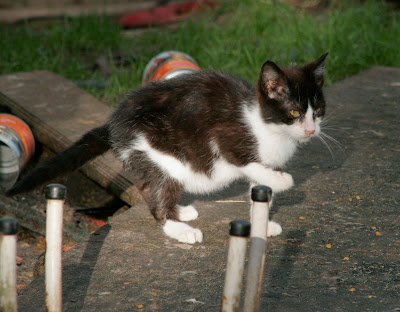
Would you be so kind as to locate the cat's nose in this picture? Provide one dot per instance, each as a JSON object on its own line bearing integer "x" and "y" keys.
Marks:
{"x": 309, "y": 132}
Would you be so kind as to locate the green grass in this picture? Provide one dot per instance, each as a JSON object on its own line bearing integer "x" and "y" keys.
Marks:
{"x": 238, "y": 38}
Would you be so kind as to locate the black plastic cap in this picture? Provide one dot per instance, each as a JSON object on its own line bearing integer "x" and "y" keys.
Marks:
{"x": 240, "y": 228}
{"x": 55, "y": 191}
{"x": 261, "y": 193}
{"x": 8, "y": 226}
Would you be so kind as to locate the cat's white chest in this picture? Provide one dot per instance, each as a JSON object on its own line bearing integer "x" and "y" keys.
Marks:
{"x": 275, "y": 150}
{"x": 275, "y": 146}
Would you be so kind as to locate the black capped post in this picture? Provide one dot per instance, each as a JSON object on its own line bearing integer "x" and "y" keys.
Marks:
{"x": 261, "y": 196}
{"x": 240, "y": 228}
{"x": 8, "y": 271}
{"x": 55, "y": 195}
{"x": 239, "y": 232}
{"x": 8, "y": 225}
{"x": 55, "y": 191}
{"x": 261, "y": 193}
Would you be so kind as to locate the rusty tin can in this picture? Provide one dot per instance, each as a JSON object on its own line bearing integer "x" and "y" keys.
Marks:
{"x": 167, "y": 65}
{"x": 17, "y": 145}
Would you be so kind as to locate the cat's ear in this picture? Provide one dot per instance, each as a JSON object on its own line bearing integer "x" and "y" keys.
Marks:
{"x": 273, "y": 80}
{"x": 317, "y": 69}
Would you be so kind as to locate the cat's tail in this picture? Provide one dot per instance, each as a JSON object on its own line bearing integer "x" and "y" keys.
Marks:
{"x": 92, "y": 144}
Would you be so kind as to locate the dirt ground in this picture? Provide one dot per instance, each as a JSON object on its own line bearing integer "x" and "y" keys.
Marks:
{"x": 87, "y": 207}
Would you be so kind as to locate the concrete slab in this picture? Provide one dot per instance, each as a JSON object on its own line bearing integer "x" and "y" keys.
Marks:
{"x": 339, "y": 250}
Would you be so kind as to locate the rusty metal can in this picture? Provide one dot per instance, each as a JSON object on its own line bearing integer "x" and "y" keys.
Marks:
{"x": 17, "y": 145}
{"x": 167, "y": 65}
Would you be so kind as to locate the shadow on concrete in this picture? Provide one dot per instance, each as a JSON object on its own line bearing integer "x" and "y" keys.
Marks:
{"x": 281, "y": 274}
{"x": 235, "y": 189}
{"x": 75, "y": 289}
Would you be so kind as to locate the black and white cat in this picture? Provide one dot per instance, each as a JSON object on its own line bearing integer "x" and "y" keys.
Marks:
{"x": 199, "y": 132}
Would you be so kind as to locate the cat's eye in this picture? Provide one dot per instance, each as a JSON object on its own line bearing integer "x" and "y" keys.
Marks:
{"x": 294, "y": 113}
{"x": 318, "y": 110}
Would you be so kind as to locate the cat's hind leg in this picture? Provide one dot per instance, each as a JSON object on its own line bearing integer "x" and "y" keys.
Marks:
{"x": 186, "y": 213}
{"x": 162, "y": 199}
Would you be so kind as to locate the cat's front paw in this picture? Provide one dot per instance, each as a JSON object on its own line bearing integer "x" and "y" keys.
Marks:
{"x": 274, "y": 229}
{"x": 282, "y": 182}
{"x": 182, "y": 232}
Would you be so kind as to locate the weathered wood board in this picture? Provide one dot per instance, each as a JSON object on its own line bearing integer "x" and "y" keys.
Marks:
{"x": 59, "y": 113}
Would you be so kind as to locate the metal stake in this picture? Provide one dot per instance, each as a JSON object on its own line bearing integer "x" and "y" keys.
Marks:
{"x": 55, "y": 195}
{"x": 239, "y": 232}
{"x": 261, "y": 195}
{"x": 8, "y": 265}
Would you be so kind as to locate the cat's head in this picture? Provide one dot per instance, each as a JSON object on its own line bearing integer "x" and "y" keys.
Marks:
{"x": 292, "y": 99}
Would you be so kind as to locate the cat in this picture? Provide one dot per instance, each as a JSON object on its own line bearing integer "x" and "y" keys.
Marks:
{"x": 199, "y": 132}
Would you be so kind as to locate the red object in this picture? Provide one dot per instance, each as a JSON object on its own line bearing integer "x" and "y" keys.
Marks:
{"x": 163, "y": 14}
{"x": 96, "y": 222}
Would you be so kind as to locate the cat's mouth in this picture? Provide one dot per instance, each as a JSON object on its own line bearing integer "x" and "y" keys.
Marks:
{"x": 305, "y": 139}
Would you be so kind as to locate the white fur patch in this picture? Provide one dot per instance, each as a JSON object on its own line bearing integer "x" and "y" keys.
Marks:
{"x": 278, "y": 181}
{"x": 222, "y": 173}
{"x": 275, "y": 144}
{"x": 182, "y": 232}
{"x": 308, "y": 122}
{"x": 274, "y": 229}
{"x": 186, "y": 213}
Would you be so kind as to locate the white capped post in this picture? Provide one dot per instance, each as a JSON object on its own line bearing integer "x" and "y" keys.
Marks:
{"x": 8, "y": 265}
{"x": 239, "y": 231}
{"x": 260, "y": 195}
{"x": 55, "y": 195}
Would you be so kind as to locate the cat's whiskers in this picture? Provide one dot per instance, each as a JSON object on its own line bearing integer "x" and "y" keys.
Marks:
{"x": 328, "y": 140}
{"x": 324, "y": 142}
{"x": 339, "y": 129}
{"x": 331, "y": 116}
{"x": 333, "y": 140}
{"x": 327, "y": 118}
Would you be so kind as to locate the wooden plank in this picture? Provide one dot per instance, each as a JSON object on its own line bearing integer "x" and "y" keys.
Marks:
{"x": 59, "y": 113}
{"x": 35, "y": 220}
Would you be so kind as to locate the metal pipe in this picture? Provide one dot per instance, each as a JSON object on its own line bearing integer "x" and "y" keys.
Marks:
{"x": 8, "y": 265}
{"x": 239, "y": 231}
{"x": 55, "y": 195}
{"x": 261, "y": 195}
